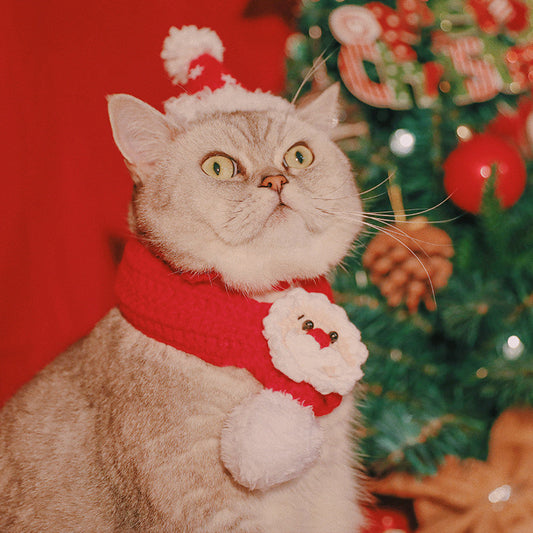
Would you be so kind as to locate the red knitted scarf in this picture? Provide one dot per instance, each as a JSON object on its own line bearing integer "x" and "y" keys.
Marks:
{"x": 199, "y": 315}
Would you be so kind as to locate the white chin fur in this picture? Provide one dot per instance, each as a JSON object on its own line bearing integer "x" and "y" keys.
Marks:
{"x": 256, "y": 266}
{"x": 283, "y": 250}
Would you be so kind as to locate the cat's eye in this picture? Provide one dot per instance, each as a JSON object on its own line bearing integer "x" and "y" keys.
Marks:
{"x": 299, "y": 156}
{"x": 220, "y": 167}
{"x": 333, "y": 336}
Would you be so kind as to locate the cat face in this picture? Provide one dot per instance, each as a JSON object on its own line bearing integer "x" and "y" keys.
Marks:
{"x": 258, "y": 196}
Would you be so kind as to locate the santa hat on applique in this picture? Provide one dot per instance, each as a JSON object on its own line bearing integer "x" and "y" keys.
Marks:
{"x": 193, "y": 58}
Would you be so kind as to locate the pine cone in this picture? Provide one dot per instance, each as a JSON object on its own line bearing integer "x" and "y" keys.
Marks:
{"x": 409, "y": 262}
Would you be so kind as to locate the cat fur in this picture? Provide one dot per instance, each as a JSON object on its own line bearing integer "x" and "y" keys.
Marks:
{"x": 122, "y": 432}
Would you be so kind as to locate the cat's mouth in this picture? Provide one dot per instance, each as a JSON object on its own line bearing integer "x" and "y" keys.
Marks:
{"x": 278, "y": 218}
{"x": 293, "y": 205}
{"x": 280, "y": 212}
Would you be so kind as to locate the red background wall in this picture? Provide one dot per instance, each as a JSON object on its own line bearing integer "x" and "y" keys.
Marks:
{"x": 64, "y": 188}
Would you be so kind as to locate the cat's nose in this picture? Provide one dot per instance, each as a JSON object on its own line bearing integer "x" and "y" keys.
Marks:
{"x": 274, "y": 182}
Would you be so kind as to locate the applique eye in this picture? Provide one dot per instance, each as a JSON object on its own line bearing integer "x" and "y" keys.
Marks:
{"x": 333, "y": 336}
{"x": 220, "y": 167}
{"x": 307, "y": 325}
{"x": 299, "y": 156}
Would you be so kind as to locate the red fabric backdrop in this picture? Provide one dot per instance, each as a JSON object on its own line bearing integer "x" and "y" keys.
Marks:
{"x": 64, "y": 187}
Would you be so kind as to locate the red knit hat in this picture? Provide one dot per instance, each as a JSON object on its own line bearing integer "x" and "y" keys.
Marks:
{"x": 193, "y": 57}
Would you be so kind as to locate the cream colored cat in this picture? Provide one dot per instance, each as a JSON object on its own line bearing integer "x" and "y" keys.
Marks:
{"x": 122, "y": 432}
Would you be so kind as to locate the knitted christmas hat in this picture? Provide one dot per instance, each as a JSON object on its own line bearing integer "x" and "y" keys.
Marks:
{"x": 193, "y": 57}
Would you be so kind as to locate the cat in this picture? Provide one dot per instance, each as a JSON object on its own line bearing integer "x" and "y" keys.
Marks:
{"x": 122, "y": 432}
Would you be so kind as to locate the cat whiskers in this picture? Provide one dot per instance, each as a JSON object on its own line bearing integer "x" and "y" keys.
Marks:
{"x": 382, "y": 182}
{"x": 385, "y": 224}
{"x": 380, "y": 215}
{"x": 246, "y": 221}
{"x": 317, "y": 63}
{"x": 238, "y": 216}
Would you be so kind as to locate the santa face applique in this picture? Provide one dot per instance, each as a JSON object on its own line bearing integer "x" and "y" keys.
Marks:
{"x": 312, "y": 340}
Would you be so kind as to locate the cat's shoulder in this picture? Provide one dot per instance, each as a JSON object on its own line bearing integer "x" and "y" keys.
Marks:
{"x": 116, "y": 362}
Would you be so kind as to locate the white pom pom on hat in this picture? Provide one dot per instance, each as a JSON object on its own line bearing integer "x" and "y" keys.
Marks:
{"x": 193, "y": 57}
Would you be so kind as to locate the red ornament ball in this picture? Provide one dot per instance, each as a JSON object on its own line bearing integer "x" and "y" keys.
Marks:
{"x": 468, "y": 167}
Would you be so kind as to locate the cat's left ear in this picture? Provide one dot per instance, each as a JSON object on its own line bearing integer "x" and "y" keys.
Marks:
{"x": 141, "y": 133}
{"x": 323, "y": 111}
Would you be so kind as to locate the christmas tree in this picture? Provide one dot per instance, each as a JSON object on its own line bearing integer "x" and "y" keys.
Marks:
{"x": 435, "y": 120}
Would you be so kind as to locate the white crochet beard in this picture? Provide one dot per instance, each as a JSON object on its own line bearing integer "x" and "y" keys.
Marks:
{"x": 335, "y": 368}
{"x": 309, "y": 363}
{"x": 235, "y": 227}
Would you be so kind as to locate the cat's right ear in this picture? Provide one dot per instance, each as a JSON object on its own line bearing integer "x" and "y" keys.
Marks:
{"x": 141, "y": 133}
